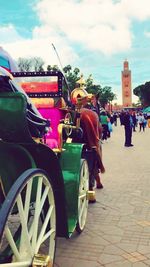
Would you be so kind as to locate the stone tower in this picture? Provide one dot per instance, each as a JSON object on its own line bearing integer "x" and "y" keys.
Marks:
{"x": 126, "y": 85}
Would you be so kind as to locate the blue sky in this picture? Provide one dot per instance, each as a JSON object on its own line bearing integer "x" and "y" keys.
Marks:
{"x": 94, "y": 35}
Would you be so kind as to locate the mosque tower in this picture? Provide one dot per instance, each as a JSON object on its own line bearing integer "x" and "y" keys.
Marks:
{"x": 126, "y": 85}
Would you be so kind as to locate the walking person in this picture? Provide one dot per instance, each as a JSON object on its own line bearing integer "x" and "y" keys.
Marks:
{"x": 134, "y": 121}
{"x": 109, "y": 125}
{"x": 148, "y": 119}
{"x": 104, "y": 122}
{"x": 115, "y": 119}
{"x": 145, "y": 120}
{"x": 141, "y": 122}
{"x": 121, "y": 116}
{"x": 128, "y": 123}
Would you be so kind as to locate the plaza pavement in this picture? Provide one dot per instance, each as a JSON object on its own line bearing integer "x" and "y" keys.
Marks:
{"x": 117, "y": 232}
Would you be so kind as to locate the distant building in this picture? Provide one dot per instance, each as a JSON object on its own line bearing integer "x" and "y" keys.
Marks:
{"x": 126, "y": 85}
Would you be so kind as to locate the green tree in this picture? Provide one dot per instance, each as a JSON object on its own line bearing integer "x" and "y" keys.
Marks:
{"x": 91, "y": 87}
{"x": 136, "y": 105}
{"x": 24, "y": 64}
{"x": 37, "y": 63}
{"x": 71, "y": 76}
{"x": 30, "y": 64}
{"x": 106, "y": 96}
{"x": 54, "y": 67}
{"x": 49, "y": 68}
{"x": 143, "y": 92}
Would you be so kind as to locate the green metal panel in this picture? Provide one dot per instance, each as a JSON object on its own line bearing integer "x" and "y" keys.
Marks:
{"x": 13, "y": 123}
{"x": 14, "y": 160}
{"x": 70, "y": 163}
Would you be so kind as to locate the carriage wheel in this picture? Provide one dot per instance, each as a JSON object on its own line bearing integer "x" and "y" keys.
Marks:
{"x": 26, "y": 238}
{"x": 83, "y": 196}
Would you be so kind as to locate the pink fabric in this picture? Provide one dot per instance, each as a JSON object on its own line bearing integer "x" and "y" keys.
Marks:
{"x": 54, "y": 115}
{"x": 52, "y": 143}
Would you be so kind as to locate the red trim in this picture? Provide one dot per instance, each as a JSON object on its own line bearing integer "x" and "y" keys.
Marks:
{"x": 40, "y": 87}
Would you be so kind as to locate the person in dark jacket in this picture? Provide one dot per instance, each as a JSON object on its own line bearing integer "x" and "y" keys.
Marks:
{"x": 128, "y": 124}
{"x": 134, "y": 121}
{"x": 121, "y": 116}
{"x": 115, "y": 119}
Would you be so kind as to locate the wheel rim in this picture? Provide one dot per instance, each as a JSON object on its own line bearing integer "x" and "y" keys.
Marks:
{"x": 83, "y": 200}
{"x": 25, "y": 233}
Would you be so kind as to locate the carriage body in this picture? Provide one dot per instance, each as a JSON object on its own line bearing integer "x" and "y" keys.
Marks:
{"x": 40, "y": 180}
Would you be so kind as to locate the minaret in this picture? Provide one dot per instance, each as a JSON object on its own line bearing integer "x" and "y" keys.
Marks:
{"x": 126, "y": 85}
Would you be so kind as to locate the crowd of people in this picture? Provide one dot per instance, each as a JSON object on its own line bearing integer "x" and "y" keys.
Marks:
{"x": 131, "y": 120}
{"x": 107, "y": 120}
{"x": 139, "y": 119}
{"x": 97, "y": 124}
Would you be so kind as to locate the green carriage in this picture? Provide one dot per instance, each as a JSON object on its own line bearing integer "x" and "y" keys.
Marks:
{"x": 43, "y": 191}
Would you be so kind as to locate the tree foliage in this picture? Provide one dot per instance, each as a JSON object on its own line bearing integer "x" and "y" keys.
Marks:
{"x": 71, "y": 76}
{"x": 104, "y": 95}
{"x": 54, "y": 67}
{"x": 30, "y": 64}
{"x": 92, "y": 88}
{"x": 143, "y": 92}
{"x": 37, "y": 63}
{"x": 24, "y": 64}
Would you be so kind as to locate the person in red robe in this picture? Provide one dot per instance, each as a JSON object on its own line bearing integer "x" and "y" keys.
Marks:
{"x": 92, "y": 131}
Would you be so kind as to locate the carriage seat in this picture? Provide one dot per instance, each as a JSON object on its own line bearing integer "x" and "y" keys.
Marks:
{"x": 14, "y": 125}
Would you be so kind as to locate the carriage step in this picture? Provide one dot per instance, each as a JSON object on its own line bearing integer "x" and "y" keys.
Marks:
{"x": 91, "y": 196}
{"x": 41, "y": 261}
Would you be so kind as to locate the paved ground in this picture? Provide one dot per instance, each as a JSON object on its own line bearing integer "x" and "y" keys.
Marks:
{"x": 117, "y": 233}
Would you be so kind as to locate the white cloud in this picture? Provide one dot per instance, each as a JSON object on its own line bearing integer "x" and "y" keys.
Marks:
{"x": 139, "y": 10}
{"x": 40, "y": 48}
{"x": 40, "y": 45}
{"x": 97, "y": 25}
{"x": 8, "y": 34}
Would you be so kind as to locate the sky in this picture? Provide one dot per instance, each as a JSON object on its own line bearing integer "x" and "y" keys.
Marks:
{"x": 95, "y": 36}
